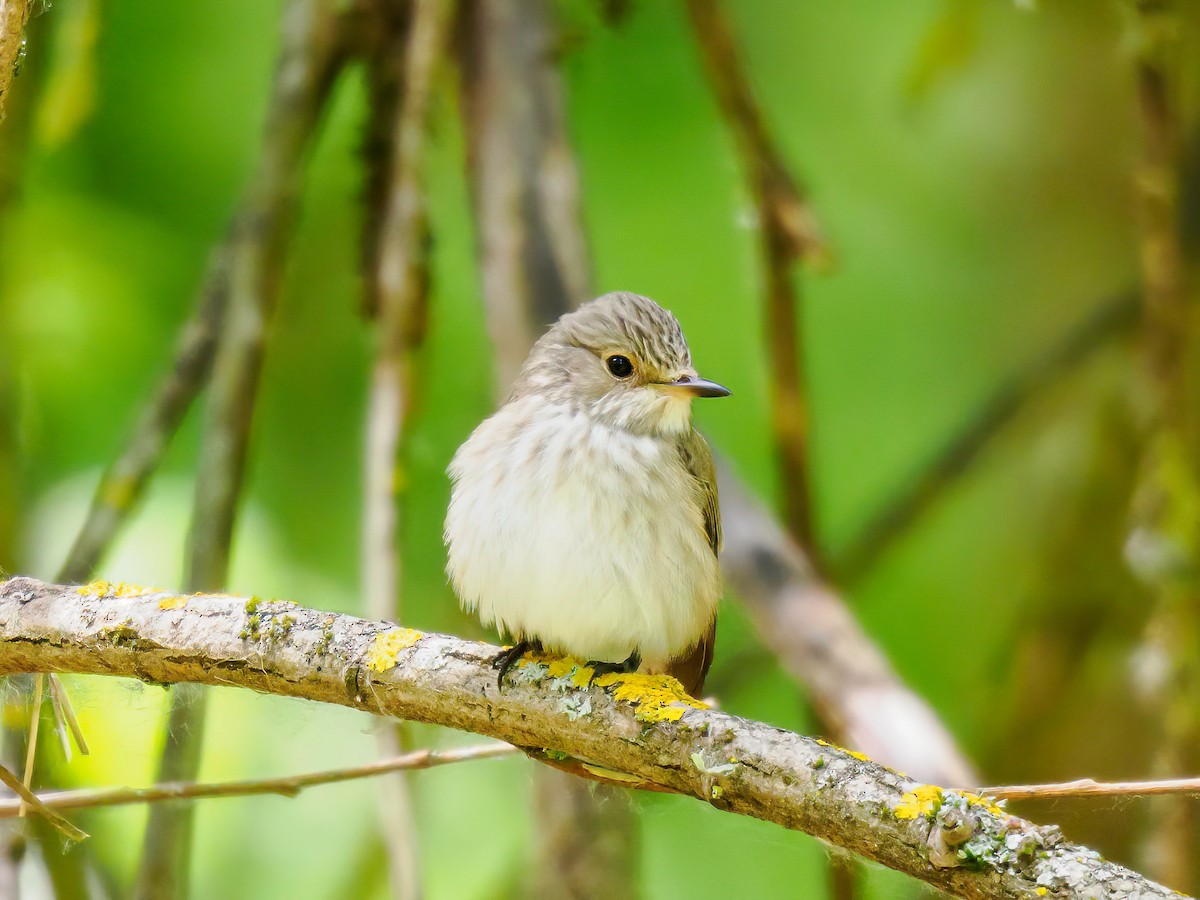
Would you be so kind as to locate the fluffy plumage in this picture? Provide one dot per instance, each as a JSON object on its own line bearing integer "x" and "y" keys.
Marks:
{"x": 584, "y": 512}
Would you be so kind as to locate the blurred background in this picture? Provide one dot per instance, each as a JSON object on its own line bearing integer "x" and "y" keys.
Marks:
{"x": 972, "y": 166}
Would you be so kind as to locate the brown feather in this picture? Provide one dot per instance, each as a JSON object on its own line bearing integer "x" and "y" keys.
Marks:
{"x": 692, "y": 668}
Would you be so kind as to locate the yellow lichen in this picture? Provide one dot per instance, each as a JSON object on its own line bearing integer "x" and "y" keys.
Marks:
{"x": 854, "y": 753}
{"x": 919, "y": 802}
{"x": 387, "y": 646}
{"x": 656, "y": 698}
{"x": 561, "y": 666}
{"x": 172, "y": 602}
{"x": 113, "y": 589}
{"x": 1041, "y": 892}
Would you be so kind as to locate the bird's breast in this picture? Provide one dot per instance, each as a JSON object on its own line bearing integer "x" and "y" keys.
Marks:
{"x": 585, "y": 536}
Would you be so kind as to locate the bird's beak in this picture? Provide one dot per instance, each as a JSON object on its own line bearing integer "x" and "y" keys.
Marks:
{"x": 695, "y": 386}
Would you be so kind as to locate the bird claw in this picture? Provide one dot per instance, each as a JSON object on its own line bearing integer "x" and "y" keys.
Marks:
{"x": 616, "y": 668}
{"x": 505, "y": 659}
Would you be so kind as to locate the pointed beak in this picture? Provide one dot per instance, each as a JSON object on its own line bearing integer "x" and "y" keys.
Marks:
{"x": 698, "y": 387}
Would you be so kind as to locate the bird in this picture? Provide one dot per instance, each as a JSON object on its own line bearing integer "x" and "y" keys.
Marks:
{"x": 583, "y": 517}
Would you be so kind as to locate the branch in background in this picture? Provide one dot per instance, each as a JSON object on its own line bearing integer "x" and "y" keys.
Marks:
{"x": 788, "y": 233}
{"x": 1164, "y": 543}
{"x": 534, "y": 264}
{"x": 641, "y": 725}
{"x": 1105, "y": 323}
{"x": 1157, "y": 185}
{"x": 819, "y": 642}
{"x": 401, "y": 65}
{"x": 125, "y": 480}
{"x": 315, "y": 46}
{"x": 13, "y": 16}
{"x": 1086, "y": 787}
{"x": 287, "y": 786}
{"x": 524, "y": 182}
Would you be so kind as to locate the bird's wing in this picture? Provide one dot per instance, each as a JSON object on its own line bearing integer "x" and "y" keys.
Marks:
{"x": 697, "y": 458}
{"x": 692, "y": 667}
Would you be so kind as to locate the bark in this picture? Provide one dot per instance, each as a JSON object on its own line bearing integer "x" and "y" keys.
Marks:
{"x": 13, "y": 16}
{"x": 632, "y": 724}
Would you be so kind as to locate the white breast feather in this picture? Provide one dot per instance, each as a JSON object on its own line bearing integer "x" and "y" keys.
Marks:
{"x": 586, "y": 537}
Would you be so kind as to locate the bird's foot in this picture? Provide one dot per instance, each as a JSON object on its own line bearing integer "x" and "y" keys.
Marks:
{"x": 611, "y": 668}
{"x": 505, "y": 658}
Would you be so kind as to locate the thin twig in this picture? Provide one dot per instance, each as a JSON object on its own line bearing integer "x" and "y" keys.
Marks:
{"x": 28, "y": 801}
{"x": 788, "y": 233}
{"x": 35, "y": 718}
{"x": 66, "y": 714}
{"x": 288, "y": 786}
{"x": 1086, "y": 787}
{"x": 315, "y": 47}
{"x": 948, "y": 464}
{"x": 401, "y": 72}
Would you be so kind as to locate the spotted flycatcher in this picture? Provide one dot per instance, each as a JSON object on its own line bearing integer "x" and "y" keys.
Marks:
{"x": 583, "y": 518}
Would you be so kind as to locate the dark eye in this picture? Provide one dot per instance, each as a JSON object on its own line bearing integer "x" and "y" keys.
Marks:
{"x": 619, "y": 366}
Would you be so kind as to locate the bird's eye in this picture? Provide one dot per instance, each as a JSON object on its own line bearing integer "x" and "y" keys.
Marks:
{"x": 619, "y": 366}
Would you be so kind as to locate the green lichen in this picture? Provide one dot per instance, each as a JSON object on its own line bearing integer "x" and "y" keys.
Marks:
{"x": 325, "y": 641}
{"x": 123, "y": 634}
{"x": 264, "y": 626}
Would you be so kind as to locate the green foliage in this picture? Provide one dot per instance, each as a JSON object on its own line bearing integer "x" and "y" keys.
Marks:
{"x": 967, "y": 237}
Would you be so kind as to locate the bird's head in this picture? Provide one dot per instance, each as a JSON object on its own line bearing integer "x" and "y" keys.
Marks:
{"x": 623, "y": 360}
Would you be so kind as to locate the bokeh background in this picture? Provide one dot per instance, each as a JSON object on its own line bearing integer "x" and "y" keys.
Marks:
{"x": 971, "y": 164}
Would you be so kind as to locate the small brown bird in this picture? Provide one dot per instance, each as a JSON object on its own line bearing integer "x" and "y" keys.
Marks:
{"x": 584, "y": 517}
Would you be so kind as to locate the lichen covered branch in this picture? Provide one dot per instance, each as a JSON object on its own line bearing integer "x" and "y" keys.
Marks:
{"x": 642, "y": 725}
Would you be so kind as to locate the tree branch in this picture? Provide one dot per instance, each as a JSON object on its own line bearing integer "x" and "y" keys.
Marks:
{"x": 818, "y": 641}
{"x": 1113, "y": 317}
{"x": 13, "y": 16}
{"x": 788, "y": 232}
{"x": 642, "y": 725}
{"x": 1164, "y": 543}
{"x": 315, "y": 45}
{"x": 401, "y": 68}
